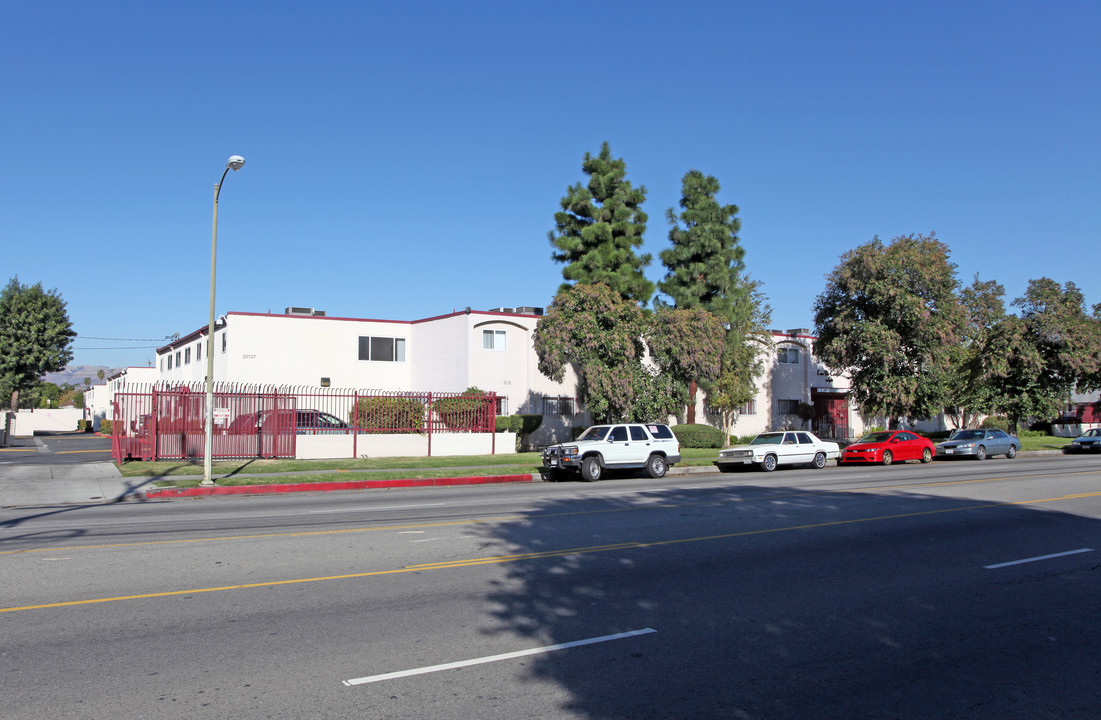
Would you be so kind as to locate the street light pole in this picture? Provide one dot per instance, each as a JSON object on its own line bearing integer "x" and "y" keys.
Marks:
{"x": 236, "y": 162}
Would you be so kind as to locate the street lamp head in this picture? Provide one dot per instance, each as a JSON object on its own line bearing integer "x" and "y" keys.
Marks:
{"x": 236, "y": 162}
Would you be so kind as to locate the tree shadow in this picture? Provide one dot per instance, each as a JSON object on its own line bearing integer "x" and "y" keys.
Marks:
{"x": 778, "y": 602}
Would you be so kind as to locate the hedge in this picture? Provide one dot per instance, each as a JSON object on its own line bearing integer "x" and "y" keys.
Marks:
{"x": 699, "y": 436}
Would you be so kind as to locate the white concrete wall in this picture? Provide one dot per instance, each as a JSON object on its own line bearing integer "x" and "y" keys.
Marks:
{"x": 46, "y": 420}
{"x": 316, "y": 447}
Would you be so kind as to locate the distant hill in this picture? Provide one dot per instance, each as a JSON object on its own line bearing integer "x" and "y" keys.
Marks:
{"x": 75, "y": 374}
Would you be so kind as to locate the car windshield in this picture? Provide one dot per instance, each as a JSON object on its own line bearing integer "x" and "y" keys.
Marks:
{"x": 969, "y": 435}
{"x": 768, "y": 439}
{"x": 876, "y": 437}
{"x": 1093, "y": 433}
{"x": 596, "y": 432}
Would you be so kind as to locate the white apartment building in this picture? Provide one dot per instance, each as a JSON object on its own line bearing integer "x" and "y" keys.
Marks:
{"x": 491, "y": 350}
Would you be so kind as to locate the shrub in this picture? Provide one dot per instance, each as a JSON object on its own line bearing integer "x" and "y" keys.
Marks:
{"x": 742, "y": 439}
{"x": 508, "y": 423}
{"x": 84, "y": 425}
{"x": 105, "y": 427}
{"x": 463, "y": 412}
{"x": 531, "y": 422}
{"x": 698, "y": 436}
{"x": 995, "y": 422}
{"x": 388, "y": 414}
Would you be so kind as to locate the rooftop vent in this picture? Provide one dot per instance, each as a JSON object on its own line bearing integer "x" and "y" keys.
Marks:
{"x": 526, "y": 310}
{"x": 304, "y": 312}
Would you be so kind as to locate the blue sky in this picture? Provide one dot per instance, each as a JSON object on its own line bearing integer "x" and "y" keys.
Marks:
{"x": 406, "y": 159}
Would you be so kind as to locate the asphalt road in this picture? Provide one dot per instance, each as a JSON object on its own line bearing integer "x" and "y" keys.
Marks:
{"x": 59, "y": 448}
{"x": 949, "y": 590}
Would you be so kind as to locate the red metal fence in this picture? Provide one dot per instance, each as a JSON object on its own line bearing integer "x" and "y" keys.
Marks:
{"x": 168, "y": 422}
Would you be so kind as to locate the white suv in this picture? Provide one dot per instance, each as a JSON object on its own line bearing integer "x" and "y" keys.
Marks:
{"x": 617, "y": 446}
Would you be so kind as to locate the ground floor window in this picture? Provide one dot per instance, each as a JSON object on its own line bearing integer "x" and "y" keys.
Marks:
{"x": 558, "y": 406}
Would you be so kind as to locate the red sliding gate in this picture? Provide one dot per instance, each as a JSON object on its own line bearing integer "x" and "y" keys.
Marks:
{"x": 264, "y": 422}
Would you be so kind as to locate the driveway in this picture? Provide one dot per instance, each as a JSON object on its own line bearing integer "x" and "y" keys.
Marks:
{"x": 62, "y": 468}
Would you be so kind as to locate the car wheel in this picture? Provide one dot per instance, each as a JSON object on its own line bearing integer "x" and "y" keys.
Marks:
{"x": 590, "y": 468}
{"x": 888, "y": 458}
{"x": 980, "y": 453}
{"x": 926, "y": 455}
{"x": 656, "y": 466}
{"x": 1011, "y": 453}
{"x": 819, "y": 461}
{"x": 769, "y": 463}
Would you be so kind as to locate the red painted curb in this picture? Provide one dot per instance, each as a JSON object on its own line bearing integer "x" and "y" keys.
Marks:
{"x": 330, "y": 486}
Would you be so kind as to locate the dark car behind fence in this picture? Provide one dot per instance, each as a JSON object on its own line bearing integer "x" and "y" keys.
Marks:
{"x": 168, "y": 422}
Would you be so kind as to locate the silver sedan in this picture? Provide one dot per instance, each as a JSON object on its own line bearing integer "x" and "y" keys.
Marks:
{"x": 979, "y": 444}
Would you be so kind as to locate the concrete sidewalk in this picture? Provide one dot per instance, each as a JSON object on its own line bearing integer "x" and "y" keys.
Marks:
{"x": 83, "y": 483}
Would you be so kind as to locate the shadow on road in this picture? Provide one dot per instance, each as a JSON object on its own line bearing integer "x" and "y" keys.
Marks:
{"x": 772, "y": 602}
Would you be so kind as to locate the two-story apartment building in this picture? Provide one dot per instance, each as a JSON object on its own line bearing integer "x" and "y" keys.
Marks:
{"x": 491, "y": 350}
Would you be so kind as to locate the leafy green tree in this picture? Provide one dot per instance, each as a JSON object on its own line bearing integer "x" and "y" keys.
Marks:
{"x": 888, "y": 316}
{"x": 599, "y": 333}
{"x": 599, "y": 227}
{"x": 35, "y": 336}
{"x": 970, "y": 390}
{"x": 705, "y": 263}
{"x": 688, "y": 346}
{"x": 1040, "y": 357}
{"x": 1066, "y": 337}
{"x": 747, "y": 340}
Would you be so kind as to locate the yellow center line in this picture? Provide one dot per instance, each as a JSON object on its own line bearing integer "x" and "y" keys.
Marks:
{"x": 502, "y": 559}
{"x": 514, "y": 518}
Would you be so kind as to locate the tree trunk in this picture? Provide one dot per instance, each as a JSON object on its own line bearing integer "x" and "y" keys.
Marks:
{"x": 691, "y": 417}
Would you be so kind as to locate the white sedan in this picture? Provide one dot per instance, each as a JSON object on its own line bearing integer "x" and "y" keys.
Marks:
{"x": 790, "y": 447}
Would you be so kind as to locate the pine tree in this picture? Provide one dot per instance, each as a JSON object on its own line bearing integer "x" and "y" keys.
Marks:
{"x": 705, "y": 263}
{"x": 705, "y": 270}
{"x": 599, "y": 227}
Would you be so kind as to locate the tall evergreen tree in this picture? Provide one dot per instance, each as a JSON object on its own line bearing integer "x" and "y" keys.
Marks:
{"x": 35, "y": 336}
{"x": 599, "y": 227}
{"x": 705, "y": 266}
{"x": 705, "y": 261}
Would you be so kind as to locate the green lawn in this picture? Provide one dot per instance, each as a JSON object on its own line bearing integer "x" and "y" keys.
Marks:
{"x": 180, "y": 473}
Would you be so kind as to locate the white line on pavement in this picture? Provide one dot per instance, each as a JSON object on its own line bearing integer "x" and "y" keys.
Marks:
{"x": 1036, "y": 559}
{"x": 494, "y": 658}
{"x": 378, "y": 509}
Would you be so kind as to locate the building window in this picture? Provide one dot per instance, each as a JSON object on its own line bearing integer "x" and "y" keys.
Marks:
{"x": 223, "y": 342}
{"x": 558, "y": 406}
{"x": 788, "y": 356}
{"x": 750, "y": 408}
{"x": 787, "y": 407}
{"x": 169, "y": 361}
{"x": 382, "y": 349}
{"x": 494, "y": 340}
{"x": 187, "y": 356}
{"x": 198, "y": 351}
{"x": 162, "y": 364}
{"x": 178, "y": 358}
{"x": 502, "y": 405}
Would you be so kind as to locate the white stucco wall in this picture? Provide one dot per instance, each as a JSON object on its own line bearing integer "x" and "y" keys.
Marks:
{"x": 317, "y": 447}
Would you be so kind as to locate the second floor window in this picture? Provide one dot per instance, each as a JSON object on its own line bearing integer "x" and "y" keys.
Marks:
{"x": 187, "y": 356}
{"x": 494, "y": 340}
{"x": 788, "y": 356}
{"x": 382, "y": 349}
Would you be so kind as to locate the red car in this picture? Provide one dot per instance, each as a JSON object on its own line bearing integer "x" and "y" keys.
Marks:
{"x": 887, "y": 447}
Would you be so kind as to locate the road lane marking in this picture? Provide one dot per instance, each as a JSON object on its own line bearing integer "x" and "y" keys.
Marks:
{"x": 378, "y": 509}
{"x": 1037, "y": 559}
{"x": 495, "y": 658}
{"x": 602, "y": 511}
{"x": 501, "y": 559}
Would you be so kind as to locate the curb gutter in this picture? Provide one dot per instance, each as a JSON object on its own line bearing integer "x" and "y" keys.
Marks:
{"x": 170, "y": 492}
